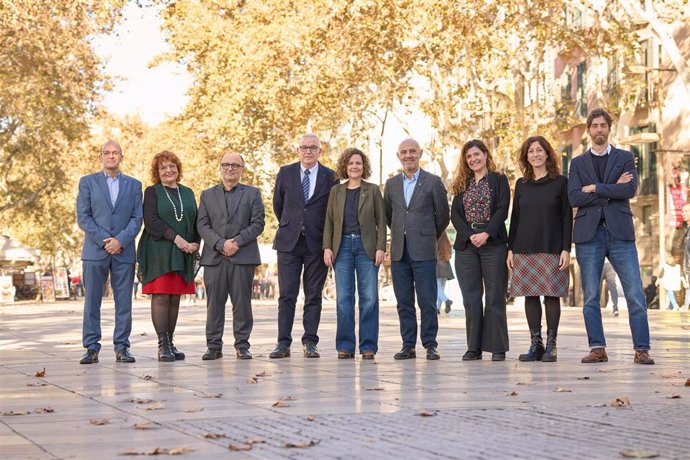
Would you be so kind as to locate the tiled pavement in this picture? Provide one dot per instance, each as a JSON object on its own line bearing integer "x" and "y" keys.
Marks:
{"x": 332, "y": 408}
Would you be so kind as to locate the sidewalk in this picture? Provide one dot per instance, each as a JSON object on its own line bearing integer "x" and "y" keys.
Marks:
{"x": 330, "y": 408}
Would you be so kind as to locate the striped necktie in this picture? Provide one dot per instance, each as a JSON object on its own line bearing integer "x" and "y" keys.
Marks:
{"x": 305, "y": 185}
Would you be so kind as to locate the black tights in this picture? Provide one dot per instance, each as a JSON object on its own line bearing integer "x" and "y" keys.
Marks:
{"x": 164, "y": 311}
{"x": 552, "y": 305}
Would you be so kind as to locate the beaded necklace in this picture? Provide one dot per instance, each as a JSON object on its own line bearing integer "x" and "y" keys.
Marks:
{"x": 179, "y": 196}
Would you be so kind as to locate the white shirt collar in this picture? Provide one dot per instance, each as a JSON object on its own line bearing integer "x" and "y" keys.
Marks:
{"x": 604, "y": 153}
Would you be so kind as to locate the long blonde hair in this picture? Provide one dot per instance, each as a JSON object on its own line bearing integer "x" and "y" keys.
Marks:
{"x": 463, "y": 173}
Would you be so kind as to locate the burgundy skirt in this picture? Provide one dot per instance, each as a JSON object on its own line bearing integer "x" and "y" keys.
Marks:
{"x": 170, "y": 283}
{"x": 538, "y": 274}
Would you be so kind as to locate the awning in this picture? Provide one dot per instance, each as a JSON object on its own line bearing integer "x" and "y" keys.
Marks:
{"x": 14, "y": 254}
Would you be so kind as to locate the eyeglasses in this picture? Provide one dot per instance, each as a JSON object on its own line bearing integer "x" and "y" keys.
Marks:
{"x": 167, "y": 168}
{"x": 231, "y": 166}
{"x": 110, "y": 153}
{"x": 309, "y": 148}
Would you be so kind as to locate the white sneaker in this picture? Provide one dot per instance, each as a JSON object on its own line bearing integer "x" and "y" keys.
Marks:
{"x": 615, "y": 313}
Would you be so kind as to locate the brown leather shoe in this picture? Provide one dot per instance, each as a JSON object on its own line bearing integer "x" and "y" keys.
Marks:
{"x": 597, "y": 355}
{"x": 345, "y": 355}
{"x": 367, "y": 355}
{"x": 642, "y": 357}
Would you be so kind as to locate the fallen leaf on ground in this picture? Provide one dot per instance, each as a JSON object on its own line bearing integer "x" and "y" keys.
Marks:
{"x": 602, "y": 370}
{"x": 562, "y": 390}
{"x": 139, "y": 400}
{"x": 216, "y": 395}
{"x": 155, "y": 406}
{"x": 523, "y": 383}
{"x": 41, "y": 373}
{"x": 144, "y": 426}
{"x": 673, "y": 397}
{"x": 622, "y": 401}
{"x": 239, "y": 447}
{"x": 687, "y": 383}
{"x": 583, "y": 378}
{"x": 44, "y": 410}
{"x": 12, "y": 413}
{"x": 99, "y": 421}
{"x": 143, "y": 333}
{"x": 280, "y": 404}
{"x": 262, "y": 374}
{"x": 311, "y": 418}
{"x": 288, "y": 398}
{"x": 147, "y": 377}
{"x": 179, "y": 450}
{"x": 373, "y": 389}
{"x": 256, "y": 440}
{"x": 427, "y": 413}
{"x": 253, "y": 380}
{"x": 194, "y": 409}
{"x": 36, "y": 384}
{"x": 160, "y": 451}
{"x": 632, "y": 453}
{"x": 302, "y": 445}
{"x": 214, "y": 435}
{"x": 512, "y": 393}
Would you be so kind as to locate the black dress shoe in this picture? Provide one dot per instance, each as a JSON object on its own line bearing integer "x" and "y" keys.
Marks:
{"x": 472, "y": 355}
{"x": 310, "y": 350}
{"x": 124, "y": 356}
{"x": 243, "y": 353}
{"x": 211, "y": 354}
{"x": 432, "y": 354}
{"x": 406, "y": 353}
{"x": 281, "y": 351}
{"x": 500, "y": 356}
{"x": 90, "y": 357}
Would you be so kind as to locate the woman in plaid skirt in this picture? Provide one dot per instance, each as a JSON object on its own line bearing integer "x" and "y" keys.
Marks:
{"x": 539, "y": 243}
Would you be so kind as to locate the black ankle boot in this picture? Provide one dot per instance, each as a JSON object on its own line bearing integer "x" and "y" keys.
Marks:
{"x": 179, "y": 356}
{"x": 550, "y": 355}
{"x": 536, "y": 349}
{"x": 164, "y": 352}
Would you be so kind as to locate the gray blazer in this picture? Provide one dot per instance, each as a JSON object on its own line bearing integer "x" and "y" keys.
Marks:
{"x": 244, "y": 223}
{"x": 422, "y": 222}
{"x": 370, "y": 214}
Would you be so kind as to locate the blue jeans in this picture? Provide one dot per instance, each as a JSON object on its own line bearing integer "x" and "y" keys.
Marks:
{"x": 672, "y": 302}
{"x": 440, "y": 292}
{"x": 623, "y": 256}
{"x": 410, "y": 277}
{"x": 352, "y": 259}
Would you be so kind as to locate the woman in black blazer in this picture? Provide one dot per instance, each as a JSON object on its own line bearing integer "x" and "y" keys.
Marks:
{"x": 478, "y": 213}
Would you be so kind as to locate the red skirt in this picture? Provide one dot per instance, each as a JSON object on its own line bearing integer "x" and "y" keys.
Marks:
{"x": 538, "y": 274}
{"x": 170, "y": 283}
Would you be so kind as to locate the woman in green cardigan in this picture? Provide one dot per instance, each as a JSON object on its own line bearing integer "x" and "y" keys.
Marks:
{"x": 354, "y": 242}
{"x": 167, "y": 247}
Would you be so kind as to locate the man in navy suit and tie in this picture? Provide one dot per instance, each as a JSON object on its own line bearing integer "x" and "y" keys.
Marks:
{"x": 109, "y": 212}
{"x": 300, "y": 199}
{"x": 601, "y": 183}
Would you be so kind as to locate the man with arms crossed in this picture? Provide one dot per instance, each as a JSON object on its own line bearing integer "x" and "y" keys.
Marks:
{"x": 602, "y": 180}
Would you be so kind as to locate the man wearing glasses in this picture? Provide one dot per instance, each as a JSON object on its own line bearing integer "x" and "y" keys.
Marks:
{"x": 300, "y": 198}
{"x": 231, "y": 218}
{"x": 109, "y": 212}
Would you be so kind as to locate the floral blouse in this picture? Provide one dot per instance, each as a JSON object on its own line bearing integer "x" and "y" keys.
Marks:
{"x": 477, "y": 201}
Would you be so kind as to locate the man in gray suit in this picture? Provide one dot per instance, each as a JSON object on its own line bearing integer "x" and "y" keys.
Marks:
{"x": 230, "y": 219}
{"x": 109, "y": 212}
{"x": 417, "y": 211}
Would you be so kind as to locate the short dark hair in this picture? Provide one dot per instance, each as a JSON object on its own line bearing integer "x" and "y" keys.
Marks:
{"x": 341, "y": 168}
{"x": 596, "y": 113}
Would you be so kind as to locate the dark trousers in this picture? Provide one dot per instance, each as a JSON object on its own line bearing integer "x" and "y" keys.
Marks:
{"x": 222, "y": 280}
{"x": 310, "y": 267}
{"x": 95, "y": 274}
{"x": 410, "y": 276}
{"x": 480, "y": 269}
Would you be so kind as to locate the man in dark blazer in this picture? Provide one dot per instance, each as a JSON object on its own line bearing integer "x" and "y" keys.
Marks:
{"x": 300, "y": 199}
{"x": 602, "y": 181}
{"x": 109, "y": 212}
{"x": 417, "y": 213}
{"x": 230, "y": 219}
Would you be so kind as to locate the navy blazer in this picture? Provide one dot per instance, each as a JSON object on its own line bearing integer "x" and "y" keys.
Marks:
{"x": 99, "y": 219}
{"x": 500, "y": 202}
{"x": 610, "y": 198}
{"x": 294, "y": 214}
